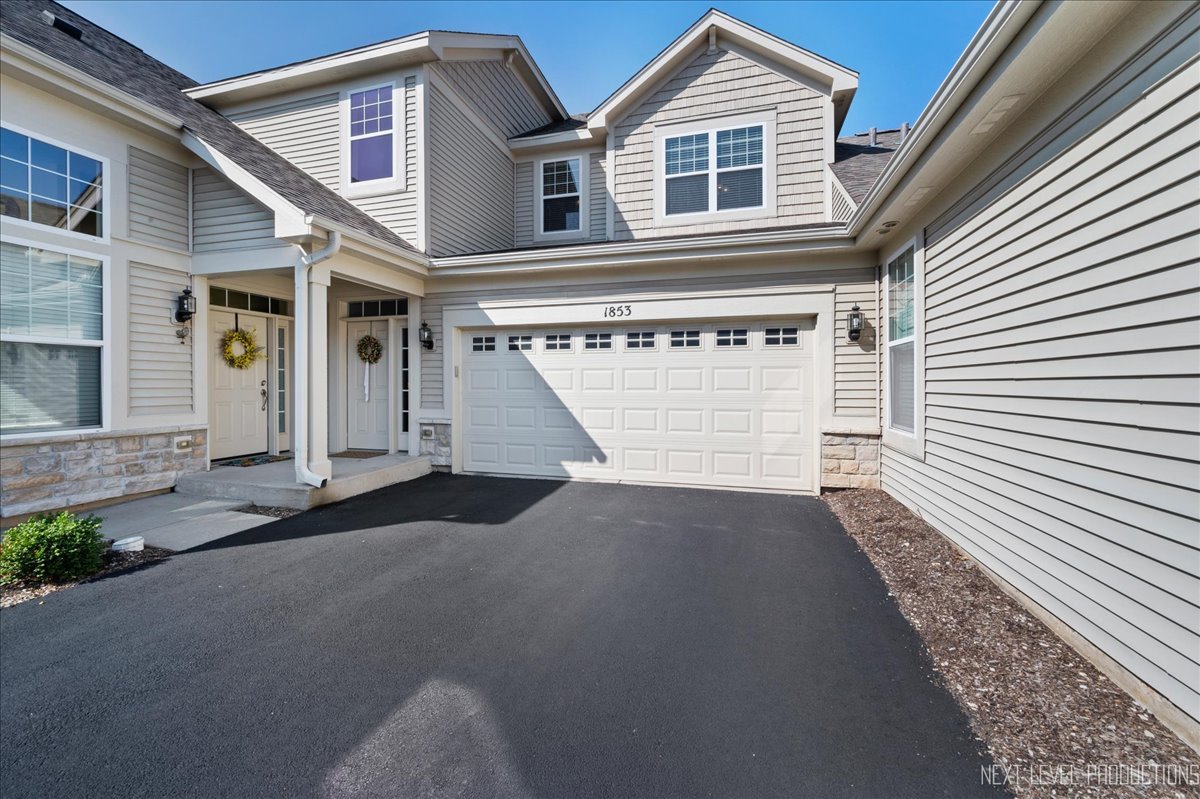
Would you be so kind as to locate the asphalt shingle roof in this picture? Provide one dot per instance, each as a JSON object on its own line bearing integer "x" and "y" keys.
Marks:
{"x": 114, "y": 61}
{"x": 858, "y": 165}
{"x": 573, "y": 122}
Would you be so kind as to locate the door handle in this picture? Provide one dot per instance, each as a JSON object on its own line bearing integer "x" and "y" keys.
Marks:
{"x": 263, "y": 391}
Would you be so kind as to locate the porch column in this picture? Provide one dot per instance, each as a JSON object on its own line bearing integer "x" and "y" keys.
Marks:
{"x": 318, "y": 373}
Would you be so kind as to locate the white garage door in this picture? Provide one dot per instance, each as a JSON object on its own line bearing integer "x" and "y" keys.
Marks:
{"x": 727, "y": 404}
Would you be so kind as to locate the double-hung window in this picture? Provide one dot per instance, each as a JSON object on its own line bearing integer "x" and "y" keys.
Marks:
{"x": 723, "y": 172}
{"x": 562, "y": 203}
{"x": 50, "y": 185}
{"x": 372, "y": 148}
{"x": 51, "y": 340}
{"x": 901, "y": 342}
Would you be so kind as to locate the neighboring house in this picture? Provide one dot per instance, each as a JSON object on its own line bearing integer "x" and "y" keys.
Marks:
{"x": 656, "y": 291}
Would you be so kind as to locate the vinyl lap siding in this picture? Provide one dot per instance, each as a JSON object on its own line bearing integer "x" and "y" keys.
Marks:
{"x": 854, "y": 367}
{"x": 842, "y": 206}
{"x": 598, "y": 199}
{"x": 160, "y": 367}
{"x": 470, "y": 184}
{"x": 1062, "y": 405}
{"x": 721, "y": 84}
{"x": 496, "y": 91}
{"x": 304, "y": 131}
{"x": 226, "y": 219}
{"x": 525, "y": 193}
{"x": 523, "y": 216}
{"x": 158, "y": 200}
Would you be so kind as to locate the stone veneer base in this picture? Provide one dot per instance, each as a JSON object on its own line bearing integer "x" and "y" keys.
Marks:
{"x": 849, "y": 460}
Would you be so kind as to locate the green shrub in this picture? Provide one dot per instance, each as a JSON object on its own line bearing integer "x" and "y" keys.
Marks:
{"x": 51, "y": 549}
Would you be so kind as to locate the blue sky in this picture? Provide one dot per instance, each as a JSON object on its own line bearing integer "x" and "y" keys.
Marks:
{"x": 902, "y": 50}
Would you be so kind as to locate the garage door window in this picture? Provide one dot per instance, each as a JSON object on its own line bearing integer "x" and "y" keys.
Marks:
{"x": 597, "y": 341}
{"x": 781, "y": 336}
{"x": 483, "y": 344}
{"x": 685, "y": 339}
{"x": 558, "y": 342}
{"x": 640, "y": 340}
{"x": 733, "y": 337}
{"x": 521, "y": 343}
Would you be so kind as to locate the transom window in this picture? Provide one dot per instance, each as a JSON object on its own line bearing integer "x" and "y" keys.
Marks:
{"x": 50, "y": 185}
{"x": 371, "y": 150}
{"x": 245, "y": 301}
{"x": 51, "y": 340}
{"x": 483, "y": 344}
{"x": 520, "y": 343}
{"x": 360, "y": 309}
{"x": 558, "y": 341}
{"x": 561, "y": 196}
{"x": 685, "y": 339}
{"x": 781, "y": 336}
{"x": 901, "y": 342}
{"x": 597, "y": 341}
{"x": 719, "y": 170}
{"x": 640, "y": 340}
{"x": 733, "y": 337}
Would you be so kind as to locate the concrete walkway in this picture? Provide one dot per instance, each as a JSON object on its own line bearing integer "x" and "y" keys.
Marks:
{"x": 178, "y": 522}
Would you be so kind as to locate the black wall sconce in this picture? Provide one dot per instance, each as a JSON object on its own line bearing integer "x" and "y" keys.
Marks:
{"x": 854, "y": 324}
{"x": 185, "y": 307}
{"x": 425, "y": 336}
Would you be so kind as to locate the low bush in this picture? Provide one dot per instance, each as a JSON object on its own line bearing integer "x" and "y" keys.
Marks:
{"x": 52, "y": 549}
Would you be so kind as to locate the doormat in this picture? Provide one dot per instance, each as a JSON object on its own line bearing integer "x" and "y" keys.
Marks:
{"x": 359, "y": 453}
{"x": 253, "y": 460}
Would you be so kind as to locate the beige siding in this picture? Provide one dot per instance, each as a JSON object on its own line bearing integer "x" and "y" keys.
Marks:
{"x": 1062, "y": 409}
{"x": 720, "y": 84}
{"x": 497, "y": 93}
{"x": 226, "y": 219}
{"x": 849, "y": 283}
{"x": 854, "y": 366}
{"x": 158, "y": 200}
{"x": 470, "y": 184}
{"x": 598, "y": 199}
{"x": 842, "y": 208}
{"x": 523, "y": 216}
{"x": 526, "y": 194}
{"x": 160, "y": 365}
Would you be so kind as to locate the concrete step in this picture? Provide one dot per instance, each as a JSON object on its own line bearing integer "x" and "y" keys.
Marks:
{"x": 274, "y": 484}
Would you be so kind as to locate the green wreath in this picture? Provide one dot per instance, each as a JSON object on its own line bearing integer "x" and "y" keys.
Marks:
{"x": 250, "y": 350}
{"x": 369, "y": 350}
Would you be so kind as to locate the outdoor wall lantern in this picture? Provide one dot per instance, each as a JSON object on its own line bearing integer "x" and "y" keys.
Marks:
{"x": 185, "y": 307}
{"x": 425, "y": 335}
{"x": 854, "y": 324}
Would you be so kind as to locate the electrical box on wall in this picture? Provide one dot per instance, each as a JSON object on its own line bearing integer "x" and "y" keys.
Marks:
{"x": 426, "y": 432}
{"x": 183, "y": 443}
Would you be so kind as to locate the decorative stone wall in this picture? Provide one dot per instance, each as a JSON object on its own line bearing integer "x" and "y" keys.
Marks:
{"x": 439, "y": 446}
{"x": 849, "y": 460}
{"x": 66, "y": 470}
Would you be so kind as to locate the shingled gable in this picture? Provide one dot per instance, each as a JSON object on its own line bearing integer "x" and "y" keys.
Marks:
{"x": 117, "y": 63}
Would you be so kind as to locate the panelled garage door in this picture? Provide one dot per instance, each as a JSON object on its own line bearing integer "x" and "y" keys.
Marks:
{"x": 725, "y": 404}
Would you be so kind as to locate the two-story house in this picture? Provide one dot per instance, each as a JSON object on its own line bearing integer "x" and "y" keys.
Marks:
{"x": 704, "y": 281}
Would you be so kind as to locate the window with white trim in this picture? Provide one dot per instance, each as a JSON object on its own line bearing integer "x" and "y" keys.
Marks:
{"x": 685, "y": 339}
{"x": 50, "y": 185}
{"x": 562, "y": 196}
{"x": 597, "y": 341}
{"x": 520, "y": 343}
{"x": 901, "y": 342}
{"x": 558, "y": 342}
{"x": 483, "y": 343}
{"x": 733, "y": 337}
{"x": 51, "y": 340}
{"x": 715, "y": 170}
{"x": 372, "y": 149}
{"x": 781, "y": 336}
{"x": 640, "y": 340}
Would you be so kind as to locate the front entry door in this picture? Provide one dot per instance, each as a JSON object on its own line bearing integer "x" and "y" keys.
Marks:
{"x": 238, "y": 413}
{"x": 367, "y": 426}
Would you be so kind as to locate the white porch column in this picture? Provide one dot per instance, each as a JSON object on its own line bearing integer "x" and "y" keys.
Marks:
{"x": 318, "y": 373}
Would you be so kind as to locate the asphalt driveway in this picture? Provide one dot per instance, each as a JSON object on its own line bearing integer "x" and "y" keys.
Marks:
{"x": 458, "y": 636}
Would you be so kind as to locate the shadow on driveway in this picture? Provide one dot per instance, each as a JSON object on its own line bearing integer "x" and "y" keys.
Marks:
{"x": 459, "y": 636}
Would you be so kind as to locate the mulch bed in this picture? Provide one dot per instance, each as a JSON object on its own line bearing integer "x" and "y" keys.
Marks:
{"x": 1045, "y": 714}
{"x": 269, "y": 510}
{"x": 114, "y": 563}
{"x": 253, "y": 460}
{"x": 359, "y": 454}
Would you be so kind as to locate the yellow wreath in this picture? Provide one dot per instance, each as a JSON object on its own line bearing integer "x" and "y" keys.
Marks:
{"x": 250, "y": 351}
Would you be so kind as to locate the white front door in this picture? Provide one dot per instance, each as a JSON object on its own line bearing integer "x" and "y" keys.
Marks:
{"x": 238, "y": 410}
{"x": 716, "y": 404}
{"x": 368, "y": 390}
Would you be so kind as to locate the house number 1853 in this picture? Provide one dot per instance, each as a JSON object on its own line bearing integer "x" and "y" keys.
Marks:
{"x": 617, "y": 311}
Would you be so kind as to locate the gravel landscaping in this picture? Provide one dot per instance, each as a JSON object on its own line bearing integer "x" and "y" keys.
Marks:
{"x": 270, "y": 510}
{"x": 114, "y": 563}
{"x": 1058, "y": 725}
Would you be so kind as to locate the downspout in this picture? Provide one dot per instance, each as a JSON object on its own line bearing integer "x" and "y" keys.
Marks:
{"x": 300, "y": 443}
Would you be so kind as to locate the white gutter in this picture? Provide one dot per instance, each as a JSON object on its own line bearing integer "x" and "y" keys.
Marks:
{"x": 300, "y": 425}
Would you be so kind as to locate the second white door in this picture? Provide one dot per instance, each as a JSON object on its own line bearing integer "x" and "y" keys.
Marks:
{"x": 367, "y": 393}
